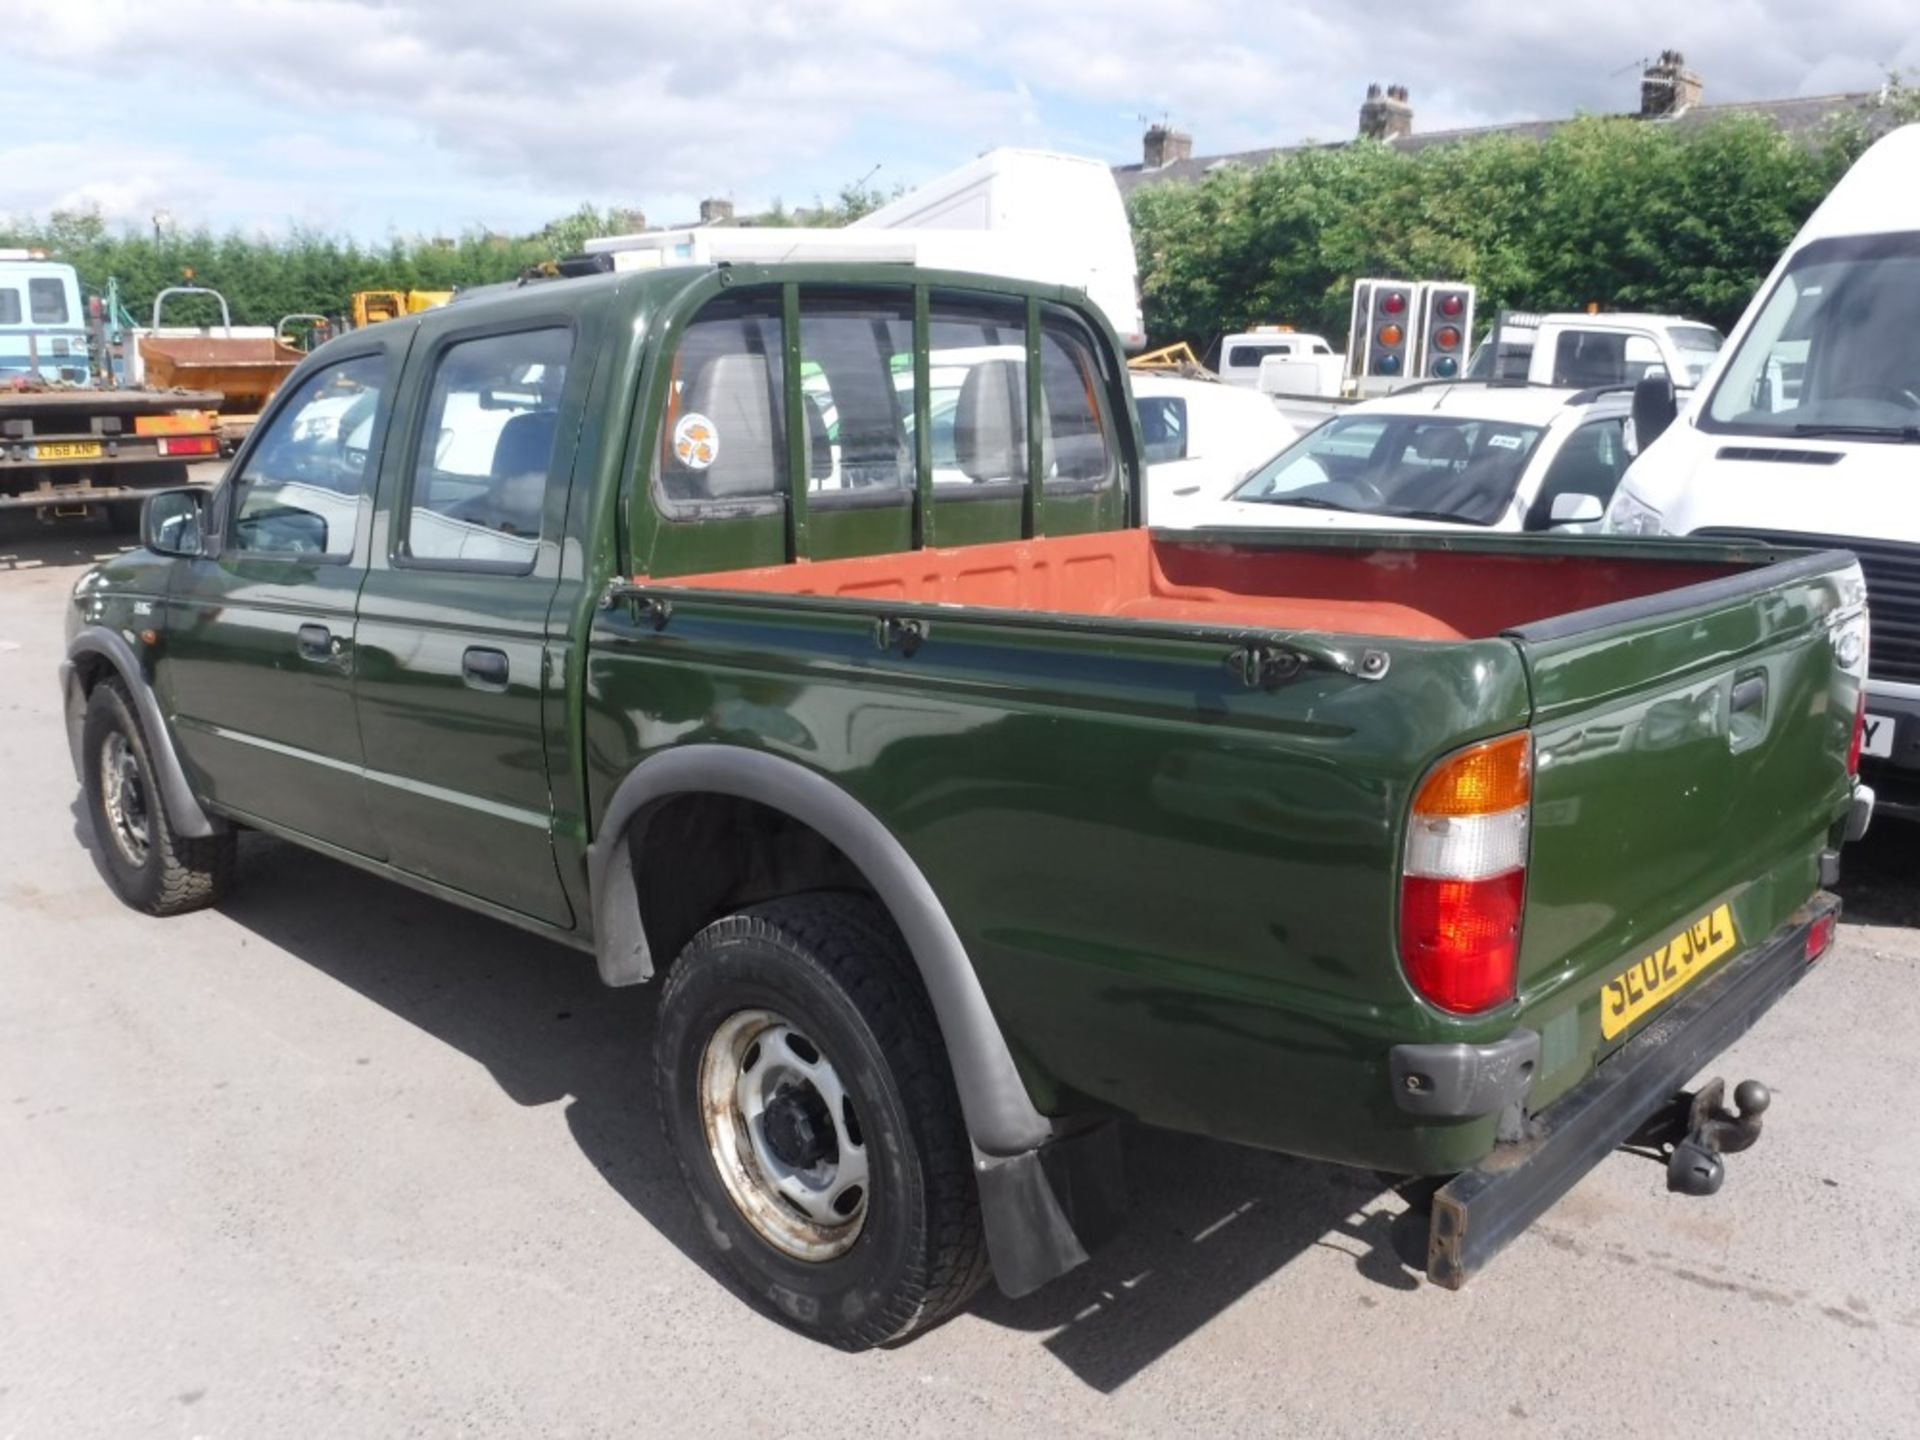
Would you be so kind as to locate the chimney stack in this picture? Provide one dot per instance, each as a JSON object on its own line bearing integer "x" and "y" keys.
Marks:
{"x": 1387, "y": 113}
{"x": 1668, "y": 87}
{"x": 1165, "y": 146}
{"x": 715, "y": 211}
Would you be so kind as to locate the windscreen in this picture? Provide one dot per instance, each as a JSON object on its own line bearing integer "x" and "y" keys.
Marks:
{"x": 1833, "y": 349}
{"x": 1425, "y": 467}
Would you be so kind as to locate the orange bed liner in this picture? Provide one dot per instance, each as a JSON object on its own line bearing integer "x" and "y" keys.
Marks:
{"x": 1136, "y": 574}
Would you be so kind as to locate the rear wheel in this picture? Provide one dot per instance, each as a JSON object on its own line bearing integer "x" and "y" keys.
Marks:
{"x": 805, "y": 1090}
{"x": 151, "y": 867}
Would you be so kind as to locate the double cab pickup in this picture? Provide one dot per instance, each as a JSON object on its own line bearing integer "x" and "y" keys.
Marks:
{"x": 793, "y": 636}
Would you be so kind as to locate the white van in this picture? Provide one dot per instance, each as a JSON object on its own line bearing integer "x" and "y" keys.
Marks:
{"x": 1806, "y": 431}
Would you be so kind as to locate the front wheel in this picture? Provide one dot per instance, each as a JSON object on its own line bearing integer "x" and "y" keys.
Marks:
{"x": 151, "y": 866}
{"x": 805, "y": 1090}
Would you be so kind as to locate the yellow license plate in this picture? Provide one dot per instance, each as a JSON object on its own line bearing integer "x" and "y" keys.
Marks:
{"x": 69, "y": 450}
{"x": 1656, "y": 978}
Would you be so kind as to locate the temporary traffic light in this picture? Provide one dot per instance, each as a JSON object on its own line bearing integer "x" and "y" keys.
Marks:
{"x": 1446, "y": 330}
{"x": 1383, "y": 328}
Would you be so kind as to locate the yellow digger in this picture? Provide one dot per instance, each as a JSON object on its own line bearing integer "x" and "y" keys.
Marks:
{"x": 370, "y": 307}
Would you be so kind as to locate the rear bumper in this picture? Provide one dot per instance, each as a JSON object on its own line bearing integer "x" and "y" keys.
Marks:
{"x": 1481, "y": 1210}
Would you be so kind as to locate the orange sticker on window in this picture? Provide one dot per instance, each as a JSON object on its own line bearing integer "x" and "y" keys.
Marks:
{"x": 696, "y": 444}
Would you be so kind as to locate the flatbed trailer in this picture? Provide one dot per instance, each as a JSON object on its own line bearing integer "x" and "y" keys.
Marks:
{"x": 65, "y": 450}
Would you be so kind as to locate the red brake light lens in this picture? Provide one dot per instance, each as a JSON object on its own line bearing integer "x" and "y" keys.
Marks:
{"x": 1451, "y": 305}
{"x": 1393, "y": 302}
{"x": 1460, "y": 939}
{"x": 187, "y": 445}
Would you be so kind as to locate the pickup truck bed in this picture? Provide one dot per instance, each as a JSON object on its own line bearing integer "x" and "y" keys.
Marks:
{"x": 1237, "y": 581}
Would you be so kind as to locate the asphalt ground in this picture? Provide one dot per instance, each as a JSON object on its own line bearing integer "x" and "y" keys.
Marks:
{"x": 337, "y": 1159}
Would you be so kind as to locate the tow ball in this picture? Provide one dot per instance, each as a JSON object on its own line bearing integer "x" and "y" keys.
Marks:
{"x": 1701, "y": 1130}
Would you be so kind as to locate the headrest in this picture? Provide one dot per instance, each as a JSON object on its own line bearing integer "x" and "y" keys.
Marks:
{"x": 1441, "y": 444}
{"x": 989, "y": 422}
{"x": 525, "y": 445}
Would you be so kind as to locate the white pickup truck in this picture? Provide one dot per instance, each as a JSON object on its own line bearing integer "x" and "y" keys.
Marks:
{"x": 1580, "y": 351}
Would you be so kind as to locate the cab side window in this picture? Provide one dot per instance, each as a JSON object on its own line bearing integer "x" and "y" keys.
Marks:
{"x": 1075, "y": 448}
{"x": 725, "y": 434}
{"x": 301, "y": 489}
{"x": 9, "y": 307}
{"x": 1590, "y": 463}
{"x": 1163, "y": 425}
{"x": 485, "y": 451}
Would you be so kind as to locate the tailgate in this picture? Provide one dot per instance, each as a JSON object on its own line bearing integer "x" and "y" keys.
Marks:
{"x": 1691, "y": 754}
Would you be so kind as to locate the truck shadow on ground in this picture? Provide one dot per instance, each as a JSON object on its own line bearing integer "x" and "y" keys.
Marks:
{"x": 1208, "y": 1222}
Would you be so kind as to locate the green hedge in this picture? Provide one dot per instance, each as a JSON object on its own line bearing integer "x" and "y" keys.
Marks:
{"x": 1628, "y": 215}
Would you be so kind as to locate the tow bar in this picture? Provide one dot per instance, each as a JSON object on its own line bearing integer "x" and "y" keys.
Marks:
{"x": 1701, "y": 1129}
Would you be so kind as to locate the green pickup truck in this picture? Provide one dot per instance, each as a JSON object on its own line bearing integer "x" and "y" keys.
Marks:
{"x": 792, "y": 635}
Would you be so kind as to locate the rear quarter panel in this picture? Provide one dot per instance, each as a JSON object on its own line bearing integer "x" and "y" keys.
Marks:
{"x": 1178, "y": 892}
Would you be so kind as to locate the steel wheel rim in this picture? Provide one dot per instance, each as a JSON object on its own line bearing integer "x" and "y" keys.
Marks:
{"x": 784, "y": 1136}
{"x": 123, "y": 794}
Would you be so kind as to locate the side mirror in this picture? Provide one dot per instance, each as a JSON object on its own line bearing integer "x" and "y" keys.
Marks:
{"x": 1654, "y": 408}
{"x": 1572, "y": 508}
{"x": 170, "y": 522}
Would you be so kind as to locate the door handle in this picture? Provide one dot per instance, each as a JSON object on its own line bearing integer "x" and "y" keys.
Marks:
{"x": 484, "y": 669}
{"x": 317, "y": 643}
{"x": 1748, "y": 694}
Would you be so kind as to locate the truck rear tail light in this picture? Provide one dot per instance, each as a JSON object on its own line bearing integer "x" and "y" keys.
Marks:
{"x": 1463, "y": 876}
{"x": 187, "y": 445}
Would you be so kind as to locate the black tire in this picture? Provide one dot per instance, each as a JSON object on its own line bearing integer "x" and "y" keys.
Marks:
{"x": 169, "y": 874}
{"x": 835, "y": 967}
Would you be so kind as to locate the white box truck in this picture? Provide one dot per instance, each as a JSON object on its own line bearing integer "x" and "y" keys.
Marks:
{"x": 1024, "y": 214}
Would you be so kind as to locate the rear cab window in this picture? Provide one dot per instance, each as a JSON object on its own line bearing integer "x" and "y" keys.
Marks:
{"x": 9, "y": 306}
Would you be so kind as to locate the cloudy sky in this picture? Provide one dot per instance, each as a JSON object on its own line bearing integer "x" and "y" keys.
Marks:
{"x": 369, "y": 116}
